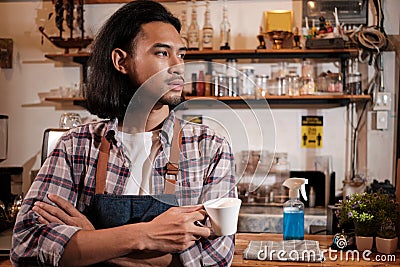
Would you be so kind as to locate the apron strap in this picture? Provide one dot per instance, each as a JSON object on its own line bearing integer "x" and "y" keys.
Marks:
{"x": 172, "y": 165}
{"x": 101, "y": 170}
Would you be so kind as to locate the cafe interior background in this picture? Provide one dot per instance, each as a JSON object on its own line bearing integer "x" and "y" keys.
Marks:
{"x": 32, "y": 75}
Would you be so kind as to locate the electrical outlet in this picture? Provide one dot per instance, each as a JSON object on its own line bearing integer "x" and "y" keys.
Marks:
{"x": 383, "y": 101}
{"x": 381, "y": 120}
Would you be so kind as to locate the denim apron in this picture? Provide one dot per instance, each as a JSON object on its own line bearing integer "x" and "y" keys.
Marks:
{"x": 108, "y": 210}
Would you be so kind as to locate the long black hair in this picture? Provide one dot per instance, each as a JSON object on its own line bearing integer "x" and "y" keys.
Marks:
{"x": 108, "y": 91}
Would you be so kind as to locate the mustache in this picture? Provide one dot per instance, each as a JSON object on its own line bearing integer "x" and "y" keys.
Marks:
{"x": 176, "y": 77}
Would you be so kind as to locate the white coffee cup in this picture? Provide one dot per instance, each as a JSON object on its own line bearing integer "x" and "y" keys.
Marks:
{"x": 223, "y": 213}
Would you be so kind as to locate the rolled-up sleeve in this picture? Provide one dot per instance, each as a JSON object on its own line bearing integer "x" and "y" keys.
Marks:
{"x": 220, "y": 182}
{"x": 33, "y": 243}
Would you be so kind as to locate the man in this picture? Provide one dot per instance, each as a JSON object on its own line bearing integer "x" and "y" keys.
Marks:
{"x": 95, "y": 164}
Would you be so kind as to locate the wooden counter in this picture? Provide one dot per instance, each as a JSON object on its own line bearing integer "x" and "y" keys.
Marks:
{"x": 5, "y": 261}
{"x": 242, "y": 240}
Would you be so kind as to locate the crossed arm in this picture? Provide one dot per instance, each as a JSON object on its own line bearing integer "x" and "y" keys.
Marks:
{"x": 170, "y": 232}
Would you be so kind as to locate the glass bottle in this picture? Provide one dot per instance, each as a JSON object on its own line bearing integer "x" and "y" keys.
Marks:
{"x": 225, "y": 28}
{"x": 208, "y": 31}
{"x": 280, "y": 169}
{"x": 193, "y": 31}
{"x": 307, "y": 86}
{"x": 184, "y": 28}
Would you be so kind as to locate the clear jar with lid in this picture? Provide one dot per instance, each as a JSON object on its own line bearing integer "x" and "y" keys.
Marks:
{"x": 219, "y": 85}
{"x": 282, "y": 85}
{"x": 273, "y": 87}
{"x": 292, "y": 84}
{"x": 262, "y": 85}
{"x": 354, "y": 85}
{"x": 335, "y": 83}
{"x": 231, "y": 67}
{"x": 247, "y": 85}
{"x": 307, "y": 69}
{"x": 307, "y": 86}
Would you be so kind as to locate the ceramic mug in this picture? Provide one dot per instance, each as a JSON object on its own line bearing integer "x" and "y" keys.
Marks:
{"x": 223, "y": 213}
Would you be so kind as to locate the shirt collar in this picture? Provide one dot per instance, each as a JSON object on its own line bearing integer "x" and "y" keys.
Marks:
{"x": 167, "y": 130}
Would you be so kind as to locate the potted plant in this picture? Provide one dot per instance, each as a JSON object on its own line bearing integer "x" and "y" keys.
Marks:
{"x": 386, "y": 212}
{"x": 359, "y": 210}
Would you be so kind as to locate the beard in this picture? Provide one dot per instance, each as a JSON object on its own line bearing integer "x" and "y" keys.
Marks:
{"x": 171, "y": 101}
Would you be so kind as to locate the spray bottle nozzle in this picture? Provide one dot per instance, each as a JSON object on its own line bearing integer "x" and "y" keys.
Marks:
{"x": 295, "y": 185}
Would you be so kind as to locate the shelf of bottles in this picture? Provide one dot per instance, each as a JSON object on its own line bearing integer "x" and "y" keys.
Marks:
{"x": 200, "y": 47}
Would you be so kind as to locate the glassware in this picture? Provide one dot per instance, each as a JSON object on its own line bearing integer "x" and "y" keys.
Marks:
{"x": 208, "y": 31}
{"x": 293, "y": 84}
{"x": 282, "y": 85}
{"x": 246, "y": 87}
{"x": 335, "y": 84}
{"x": 70, "y": 120}
{"x": 354, "y": 85}
{"x": 307, "y": 69}
{"x": 273, "y": 87}
{"x": 262, "y": 85}
{"x": 280, "y": 169}
{"x": 193, "y": 31}
{"x": 184, "y": 28}
{"x": 307, "y": 86}
{"x": 225, "y": 28}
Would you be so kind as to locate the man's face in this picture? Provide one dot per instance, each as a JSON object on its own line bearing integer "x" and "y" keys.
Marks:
{"x": 159, "y": 49}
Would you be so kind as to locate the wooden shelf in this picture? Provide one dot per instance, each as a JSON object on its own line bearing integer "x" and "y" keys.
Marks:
{"x": 60, "y": 103}
{"x": 314, "y": 101}
{"x": 305, "y": 101}
{"x": 272, "y": 54}
{"x": 82, "y": 58}
{"x": 118, "y": 1}
{"x": 194, "y": 102}
{"x": 274, "y": 101}
{"x": 71, "y": 58}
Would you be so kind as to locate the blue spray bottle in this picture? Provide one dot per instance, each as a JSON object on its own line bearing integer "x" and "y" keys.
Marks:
{"x": 293, "y": 209}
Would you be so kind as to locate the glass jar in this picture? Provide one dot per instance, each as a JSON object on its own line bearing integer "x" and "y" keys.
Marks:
{"x": 335, "y": 83}
{"x": 219, "y": 85}
{"x": 293, "y": 84}
{"x": 246, "y": 85}
{"x": 307, "y": 86}
{"x": 354, "y": 85}
{"x": 307, "y": 69}
{"x": 280, "y": 169}
{"x": 273, "y": 87}
{"x": 262, "y": 85}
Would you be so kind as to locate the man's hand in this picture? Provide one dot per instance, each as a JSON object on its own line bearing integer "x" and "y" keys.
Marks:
{"x": 63, "y": 213}
{"x": 175, "y": 230}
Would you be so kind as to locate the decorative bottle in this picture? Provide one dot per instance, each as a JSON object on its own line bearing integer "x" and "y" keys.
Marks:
{"x": 225, "y": 28}
{"x": 193, "y": 31}
{"x": 208, "y": 31}
{"x": 184, "y": 28}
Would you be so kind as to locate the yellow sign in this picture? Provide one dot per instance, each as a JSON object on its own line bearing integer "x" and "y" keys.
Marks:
{"x": 311, "y": 131}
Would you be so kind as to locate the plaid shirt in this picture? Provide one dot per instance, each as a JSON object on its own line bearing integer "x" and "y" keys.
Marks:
{"x": 206, "y": 172}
